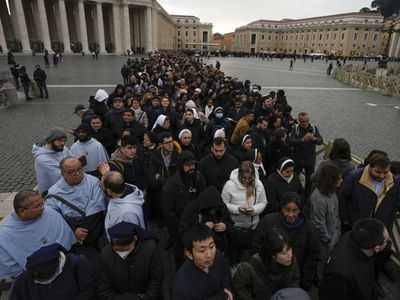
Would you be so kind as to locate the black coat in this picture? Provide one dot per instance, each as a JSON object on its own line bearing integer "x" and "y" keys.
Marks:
{"x": 157, "y": 166}
{"x": 192, "y": 283}
{"x": 217, "y": 172}
{"x": 137, "y": 129}
{"x": 77, "y": 281}
{"x": 198, "y": 135}
{"x": 349, "y": 273}
{"x": 304, "y": 152}
{"x": 304, "y": 242}
{"x": 140, "y": 273}
{"x": 113, "y": 118}
{"x": 209, "y": 207}
{"x": 179, "y": 191}
{"x": 276, "y": 186}
{"x": 105, "y": 137}
{"x": 273, "y": 153}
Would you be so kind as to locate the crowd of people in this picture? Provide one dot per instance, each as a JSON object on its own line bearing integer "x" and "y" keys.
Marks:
{"x": 182, "y": 146}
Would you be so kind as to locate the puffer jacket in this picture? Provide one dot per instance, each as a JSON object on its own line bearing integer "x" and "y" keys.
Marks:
{"x": 234, "y": 196}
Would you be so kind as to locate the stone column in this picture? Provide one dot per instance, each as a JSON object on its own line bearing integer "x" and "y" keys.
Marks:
{"x": 117, "y": 29}
{"x": 136, "y": 28}
{"x": 82, "y": 27}
{"x": 149, "y": 30}
{"x": 100, "y": 27}
{"x": 44, "y": 26}
{"x": 127, "y": 28}
{"x": 23, "y": 30}
{"x": 397, "y": 44}
{"x": 155, "y": 27}
{"x": 3, "y": 42}
{"x": 64, "y": 26}
{"x": 392, "y": 43}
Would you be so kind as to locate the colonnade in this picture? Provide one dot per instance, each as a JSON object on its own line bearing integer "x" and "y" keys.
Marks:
{"x": 78, "y": 26}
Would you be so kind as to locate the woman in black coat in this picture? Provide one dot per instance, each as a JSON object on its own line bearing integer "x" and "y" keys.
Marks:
{"x": 275, "y": 150}
{"x": 303, "y": 239}
{"x": 283, "y": 180}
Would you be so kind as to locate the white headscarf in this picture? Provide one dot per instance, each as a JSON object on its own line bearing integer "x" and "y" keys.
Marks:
{"x": 160, "y": 121}
{"x": 183, "y": 131}
{"x": 218, "y": 132}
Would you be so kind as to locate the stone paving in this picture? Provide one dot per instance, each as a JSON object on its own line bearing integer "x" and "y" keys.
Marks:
{"x": 338, "y": 111}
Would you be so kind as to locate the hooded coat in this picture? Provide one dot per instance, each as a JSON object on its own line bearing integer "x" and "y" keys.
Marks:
{"x": 47, "y": 165}
{"x": 208, "y": 207}
{"x": 179, "y": 191}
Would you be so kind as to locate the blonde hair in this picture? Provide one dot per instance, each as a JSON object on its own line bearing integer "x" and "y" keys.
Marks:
{"x": 247, "y": 167}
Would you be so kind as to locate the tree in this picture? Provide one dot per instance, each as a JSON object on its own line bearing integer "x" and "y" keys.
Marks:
{"x": 386, "y": 7}
{"x": 365, "y": 10}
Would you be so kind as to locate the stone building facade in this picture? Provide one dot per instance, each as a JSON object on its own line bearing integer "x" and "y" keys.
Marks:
{"x": 191, "y": 33}
{"x": 112, "y": 26}
{"x": 350, "y": 34}
{"x": 394, "y": 44}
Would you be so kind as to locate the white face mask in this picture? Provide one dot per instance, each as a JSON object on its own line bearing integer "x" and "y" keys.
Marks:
{"x": 124, "y": 254}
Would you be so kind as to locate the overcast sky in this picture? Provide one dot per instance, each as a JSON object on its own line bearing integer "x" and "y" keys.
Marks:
{"x": 226, "y": 15}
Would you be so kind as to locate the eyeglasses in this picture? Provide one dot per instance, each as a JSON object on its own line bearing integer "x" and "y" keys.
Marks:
{"x": 73, "y": 171}
{"x": 168, "y": 142}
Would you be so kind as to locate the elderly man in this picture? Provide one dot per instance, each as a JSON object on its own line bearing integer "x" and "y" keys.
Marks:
{"x": 30, "y": 227}
{"x": 48, "y": 155}
{"x": 78, "y": 197}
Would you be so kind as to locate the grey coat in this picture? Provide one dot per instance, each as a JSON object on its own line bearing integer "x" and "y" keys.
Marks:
{"x": 324, "y": 215}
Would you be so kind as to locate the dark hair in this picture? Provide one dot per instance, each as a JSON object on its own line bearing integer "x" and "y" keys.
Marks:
{"x": 327, "y": 179}
{"x": 375, "y": 151}
{"x": 128, "y": 140}
{"x": 302, "y": 114}
{"x": 274, "y": 241}
{"x": 368, "y": 233}
{"x": 249, "y": 112}
{"x": 395, "y": 167}
{"x": 340, "y": 150}
{"x": 163, "y": 135}
{"x": 280, "y": 94}
{"x": 278, "y": 135}
{"x": 199, "y": 232}
{"x": 218, "y": 141}
{"x": 96, "y": 117}
{"x": 114, "y": 181}
{"x": 22, "y": 199}
{"x": 261, "y": 119}
{"x": 379, "y": 160}
{"x": 291, "y": 197}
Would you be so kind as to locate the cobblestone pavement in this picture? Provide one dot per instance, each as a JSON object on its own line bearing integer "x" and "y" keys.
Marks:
{"x": 338, "y": 110}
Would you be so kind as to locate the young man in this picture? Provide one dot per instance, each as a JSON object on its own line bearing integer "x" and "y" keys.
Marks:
{"x": 130, "y": 266}
{"x": 205, "y": 273}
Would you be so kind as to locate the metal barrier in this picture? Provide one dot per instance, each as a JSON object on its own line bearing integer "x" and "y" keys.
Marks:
{"x": 389, "y": 86}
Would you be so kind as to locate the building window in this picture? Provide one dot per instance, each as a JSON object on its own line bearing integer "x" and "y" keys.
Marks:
{"x": 186, "y": 33}
{"x": 253, "y": 38}
{"x": 269, "y": 37}
{"x": 179, "y": 33}
{"x": 365, "y": 36}
{"x": 342, "y": 37}
{"x": 355, "y": 36}
{"x": 375, "y": 37}
{"x": 262, "y": 37}
{"x": 194, "y": 33}
{"x": 334, "y": 36}
{"x": 327, "y": 36}
{"x": 320, "y": 36}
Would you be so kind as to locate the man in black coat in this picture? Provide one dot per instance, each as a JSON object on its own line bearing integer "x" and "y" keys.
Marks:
{"x": 129, "y": 123}
{"x": 217, "y": 166}
{"x": 40, "y": 77}
{"x": 130, "y": 267}
{"x": 304, "y": 138}
{"x": 207, "y": 209}
{"x": 179, "y": 190}
{"x": 349, "y": 272}
{"x": 51, "y": 273}
{"x": 204, "y": 275}
{"x": 102, "y": 134}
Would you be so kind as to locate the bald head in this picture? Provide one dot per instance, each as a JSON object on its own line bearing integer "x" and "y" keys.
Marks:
{"x": 114, "y": 182}
{"x": 71, "y": 170}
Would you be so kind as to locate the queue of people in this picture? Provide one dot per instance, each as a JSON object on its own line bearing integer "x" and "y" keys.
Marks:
{"x": 182, "y": 146}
